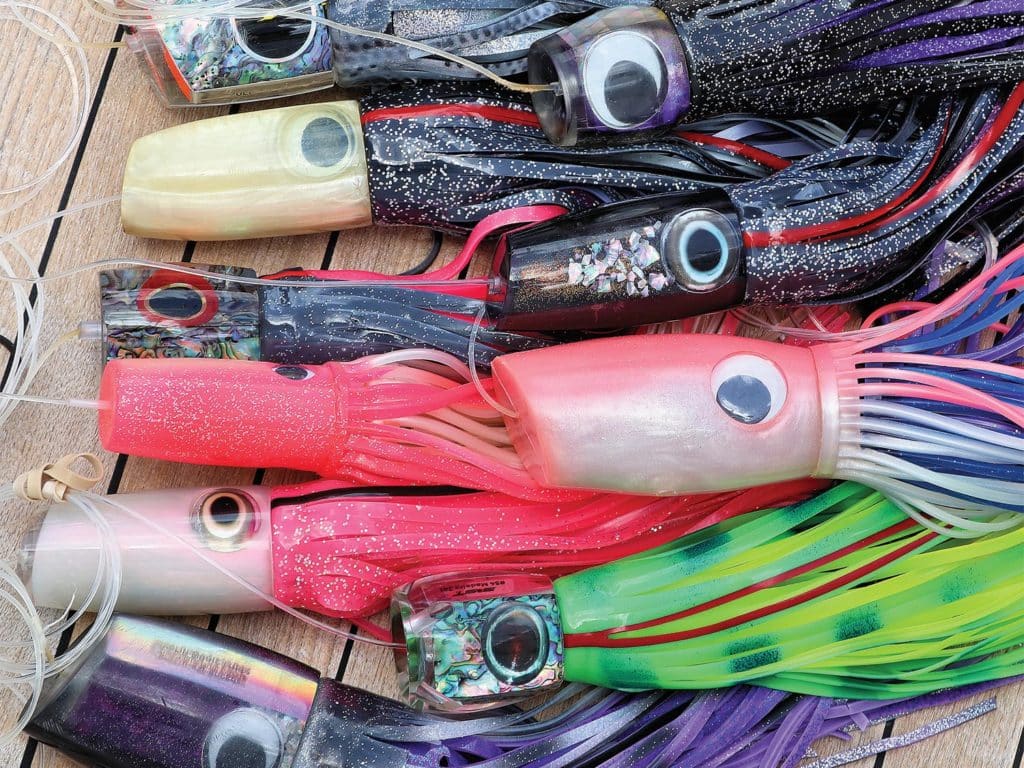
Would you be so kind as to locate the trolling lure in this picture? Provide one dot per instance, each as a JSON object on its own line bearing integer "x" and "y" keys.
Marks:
{"x": 839, "y": 225}
{"x": 230, "y": 54}
{"x": 442, "y": 155}
{"x": 339, "y": 550}
{"x": 924, "y": 412}
{"x": 841, "y": 595}
{"x": 640, "y": 69}
{"x": 165, "y": 695}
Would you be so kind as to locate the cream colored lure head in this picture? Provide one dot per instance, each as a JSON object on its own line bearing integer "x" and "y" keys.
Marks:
{"x": 285, "y": 171}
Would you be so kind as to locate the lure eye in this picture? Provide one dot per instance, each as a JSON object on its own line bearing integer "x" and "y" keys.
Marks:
{"x": 325, "y": 142}
{"x": 749, "y": 389}
{"x": 224, "y": 520}
{"x": 245, "y": 738}
{"x": 515, "y": 643}
{"x": 277, "y": 39}
{"x": 702, "y": 248}
{"x": 320, "y": 143}
{"x": 294, "y": 372}
{"x": 625, "y": 79}
{"x": 177, "y": 299}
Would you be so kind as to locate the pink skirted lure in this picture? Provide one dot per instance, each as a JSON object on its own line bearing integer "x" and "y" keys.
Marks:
{"x": 915, "y": 409}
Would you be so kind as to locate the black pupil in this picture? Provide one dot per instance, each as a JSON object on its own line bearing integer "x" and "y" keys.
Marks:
{"x": 240, "y": 752}
{"x": 293, "y": 372}
{"x": 745, "y": 398}
{"x": 632, "y": 93}
{"x": 325, "y": 142}
{"x": 224, "y": 510}
{"x": 515, "y": 643}
{"x": 704, "y": 251}
{"x": 278, "y": 38}
{"x": 176, "y": 303}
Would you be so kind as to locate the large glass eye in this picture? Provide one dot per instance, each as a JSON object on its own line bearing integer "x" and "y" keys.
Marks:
{"x": 515, "y": 643}
{"x": 275, "y": 39}
{"x": 702, "y": 248}
{"x": 625, "y": 79}
{"x": 749, "y": 388}
{"x": 245, "y": 738}
{"x": 224, "y": 519}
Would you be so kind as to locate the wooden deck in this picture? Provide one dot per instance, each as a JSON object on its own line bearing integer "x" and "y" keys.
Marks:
{"x": 34, "y": 120}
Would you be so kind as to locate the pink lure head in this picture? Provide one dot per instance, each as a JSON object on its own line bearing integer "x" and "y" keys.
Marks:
{"x": 669, "y": 414}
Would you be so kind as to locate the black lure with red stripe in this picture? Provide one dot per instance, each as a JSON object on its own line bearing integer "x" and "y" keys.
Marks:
{"x": 843, "y": 224}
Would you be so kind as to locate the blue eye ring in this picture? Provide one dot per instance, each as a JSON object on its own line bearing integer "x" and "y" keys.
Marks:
{"x": 676, "y": 245}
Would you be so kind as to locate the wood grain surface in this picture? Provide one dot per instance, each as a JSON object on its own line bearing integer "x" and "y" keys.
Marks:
{"x": 35, "y": 120}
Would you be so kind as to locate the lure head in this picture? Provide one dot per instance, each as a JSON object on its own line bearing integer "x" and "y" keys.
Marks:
{"x": 166, "y": 695}
{"x": 163, "y": 571}
{"x": 172, "y": 313}
{"x": 287, "y": 171}
{"x": 670, "y": 414}
{"x": 474, "y": 642}
{"x": 615, "y": 72}
{"x": 226, "y": 412}
{"x": 661, "y": 258}
{"x": 219, "y": 59}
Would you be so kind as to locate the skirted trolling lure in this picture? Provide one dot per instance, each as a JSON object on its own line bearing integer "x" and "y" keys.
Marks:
{"x": 841, "y": 595}
{"x": 165, "y": 695}
{"x": 442, "y": 155}
{"x": 339, "y": 550}
{"x": 230, "y": 54}
{"x": 920, "y": 409}
{"x": 629, "y": 70}
{"x": 840, "y": 225}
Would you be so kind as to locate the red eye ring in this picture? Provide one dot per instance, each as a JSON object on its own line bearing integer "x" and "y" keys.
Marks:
{"x": 166, "y": 279}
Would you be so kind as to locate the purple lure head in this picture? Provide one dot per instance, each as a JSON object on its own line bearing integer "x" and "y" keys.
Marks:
{"x": 619, "y": 71}
{"x": 153, "y": 694}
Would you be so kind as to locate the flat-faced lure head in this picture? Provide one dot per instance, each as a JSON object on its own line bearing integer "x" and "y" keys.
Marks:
{"x": 271, "y": 172}
{"x": 163, "y": 570}
{"x": 218, "y": 59}
{"x": 669, "y": 414}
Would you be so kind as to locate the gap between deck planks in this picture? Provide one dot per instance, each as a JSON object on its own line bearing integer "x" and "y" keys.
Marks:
{"x": 33, "y": 120}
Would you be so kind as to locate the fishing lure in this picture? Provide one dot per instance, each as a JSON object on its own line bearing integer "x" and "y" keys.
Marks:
{"x": 924, "y": 412}
{"x": 339, "y": 550}
{"x": 841, "y": 595}
{"x": 444, "y": 155}
{"x": 641, "y": 69}
{"x": 164, "y": 695}
{"x": 840, "y": 225}
{"x": 229, "y": 53}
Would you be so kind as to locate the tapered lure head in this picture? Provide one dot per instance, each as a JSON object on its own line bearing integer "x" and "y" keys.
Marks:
{"x": 631, "y": 263}
{"x": 221, "y": 59}
{"x": 163, "y": 537}
{"x": 618, "y": 71}
{"x": 701, "y": 413}
{"x": 471, "y": 643}
{"x": 284, "y": 171}
{"x": 147, "y": 312}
